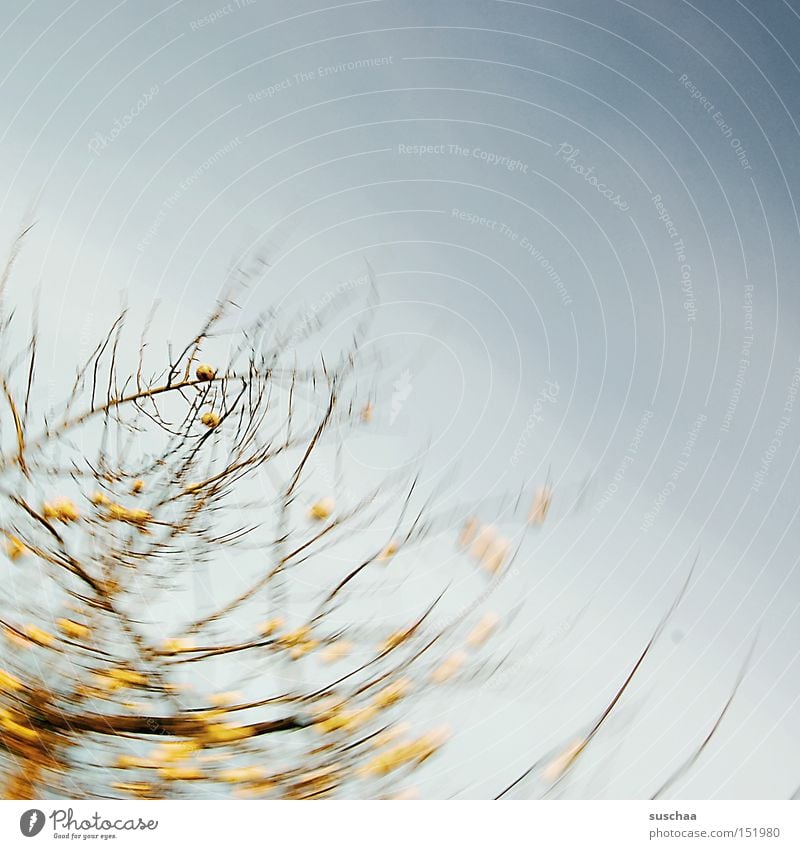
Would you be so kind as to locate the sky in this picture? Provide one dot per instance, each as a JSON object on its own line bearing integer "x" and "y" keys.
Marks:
{"x": 583, "y": 224}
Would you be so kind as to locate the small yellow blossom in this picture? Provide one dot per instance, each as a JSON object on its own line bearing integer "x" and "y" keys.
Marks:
{"x": 137, "y": 486}
{"x": 73, "y": 629}
{"x": 347, "y": 720}
{"x": 483, "y": 541}
{"x": 393, "y": 693}
{"x": 468, "y": 532}
{"x": 61, "y": 510}
{"x": 388, "y": 552}
{"x": 483, "y": 630}
{"x": 560, "y": 764}
{"x": 296, "y": 637}
{"x": 394, "y": 640}
{"x": 174, "y": 750}
{"x": 335, "y": 651}
{"x": 173, "y": 645}
{"x": 136, "y": 516}
{"x": 241, "y": 774}
{"x": 210, "y": 420}
{"x": 540, "y": 505}
{"x": 21, "y": 731}
{"x": 271, "y": 626}
{"x": 98, "y": 498}
{"x": 496, "y": 555}
{"x": 301, "y": 649}
{"x": 449, "y": 667}
{"x": 224, "y": 699}
{"x": 17, "y": 639}
{"x": 137, "y": 788}
{"x": 15, "y": 548}
{"x": 9, "y": 682}
{"x": 228, "y": 733}
{"x": 322, "y": 509}
{"x": 181, "y": 773}
{"x": 128, "y": 677}
{"x": 205, "y": 372}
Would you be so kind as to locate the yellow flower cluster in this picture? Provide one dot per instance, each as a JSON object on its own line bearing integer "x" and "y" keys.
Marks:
{"x": 346, "y": 720}
{"x": 133, "y": 516}
{"x": 61, "y": 510}
{"x": 487, "y": 546}
{"x": 401, "y": 754}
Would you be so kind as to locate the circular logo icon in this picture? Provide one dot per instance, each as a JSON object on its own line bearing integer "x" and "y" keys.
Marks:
{"x": 31, "y": 822}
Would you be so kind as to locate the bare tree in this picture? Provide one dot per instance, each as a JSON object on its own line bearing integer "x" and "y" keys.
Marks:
{"x": 208, "y": 594}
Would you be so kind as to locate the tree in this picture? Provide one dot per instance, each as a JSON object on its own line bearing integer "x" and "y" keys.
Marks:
{"x": 125, "y": 503}
{"x": 139, "y": 659}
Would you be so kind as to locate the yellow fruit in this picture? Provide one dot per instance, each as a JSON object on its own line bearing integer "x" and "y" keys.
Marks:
{"x": 205, "y": 372}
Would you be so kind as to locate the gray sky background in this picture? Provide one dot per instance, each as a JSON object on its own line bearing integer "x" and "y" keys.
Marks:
{"x": 233, "y": 136}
